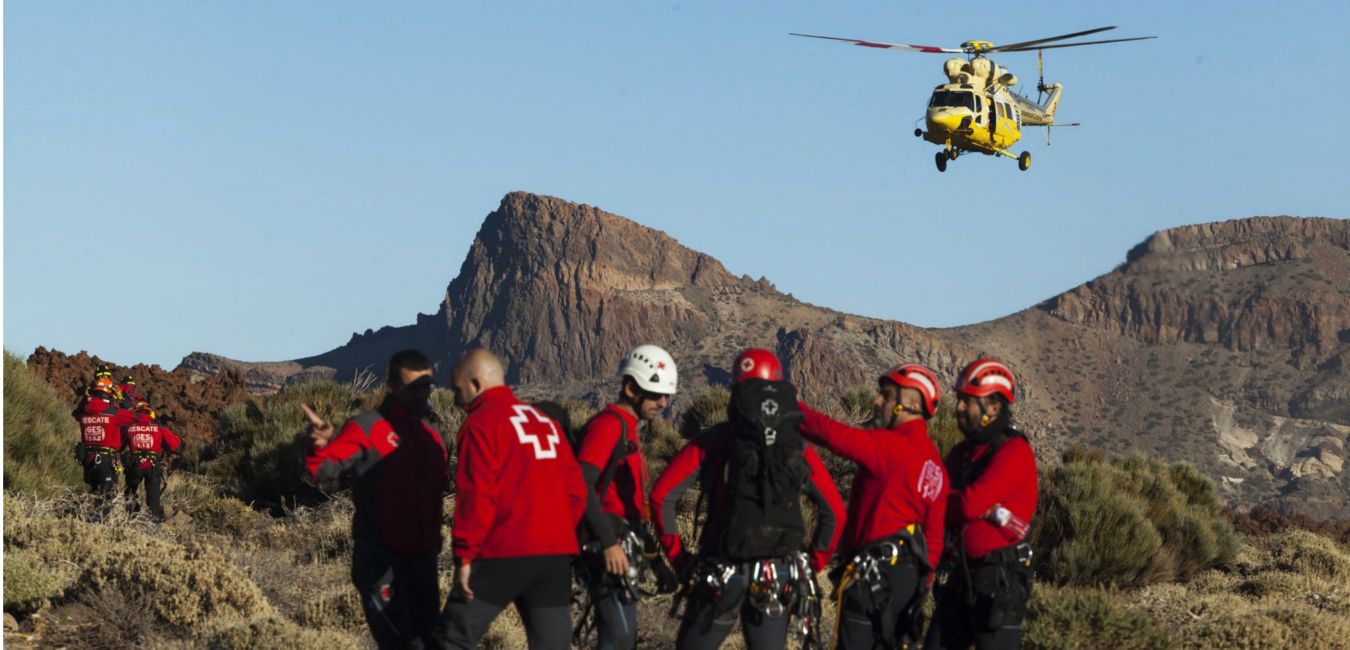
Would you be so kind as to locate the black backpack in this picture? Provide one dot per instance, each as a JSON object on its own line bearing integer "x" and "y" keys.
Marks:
{"x": 764, "y": 472}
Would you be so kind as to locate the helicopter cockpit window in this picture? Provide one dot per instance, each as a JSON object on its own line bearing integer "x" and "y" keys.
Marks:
{"x": 950, "y": 98}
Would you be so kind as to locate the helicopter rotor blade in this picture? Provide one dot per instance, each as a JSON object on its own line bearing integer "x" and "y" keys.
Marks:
{"x": 887, "y": 46}
{"x": 1051, "y": 47}
{"x": 1040, "y": 81}
{"x": 1027, "y": 44}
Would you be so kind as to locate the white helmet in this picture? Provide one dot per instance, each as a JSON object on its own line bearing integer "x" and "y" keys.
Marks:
{"x": 652, "y": 368}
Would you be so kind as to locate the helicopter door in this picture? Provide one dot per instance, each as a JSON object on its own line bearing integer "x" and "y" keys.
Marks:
{"x": 979, "y": 110}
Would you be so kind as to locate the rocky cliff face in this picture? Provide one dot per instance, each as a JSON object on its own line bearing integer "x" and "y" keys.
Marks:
{"x": 1261, "y": 284}
{"x": 1224, "y": 344}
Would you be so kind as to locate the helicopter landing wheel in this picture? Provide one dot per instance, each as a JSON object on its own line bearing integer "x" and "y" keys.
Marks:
{"x": 1024, "y": 160}
{"x": 918, "y": 133}
{"x": 953, "y": 153}
{"x": 941, "y": 159}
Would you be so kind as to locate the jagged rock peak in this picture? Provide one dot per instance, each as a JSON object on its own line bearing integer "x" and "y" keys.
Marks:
{"x": 1236, "y": 243}
{"x": 530, "y": 234}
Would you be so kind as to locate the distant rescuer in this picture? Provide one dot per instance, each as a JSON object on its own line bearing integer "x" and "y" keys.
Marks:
{"x": 147, "y": 441}
{"x": 893, "y": 537}
{"x": 519, "y": 497}
{"x": 752, "y": 471}
{"x": 101, "y": 440}
{"x": 611, "y": 460}
{"x": 992, "y": 501}
{"x": 399, "y": 471}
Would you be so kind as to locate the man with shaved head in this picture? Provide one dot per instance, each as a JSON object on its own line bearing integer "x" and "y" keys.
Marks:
{"x": 399, "y": 475}
{"x": 519, "y": 497}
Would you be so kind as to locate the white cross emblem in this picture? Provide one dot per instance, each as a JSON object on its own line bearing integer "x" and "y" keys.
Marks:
{"x": 524, "y": 414}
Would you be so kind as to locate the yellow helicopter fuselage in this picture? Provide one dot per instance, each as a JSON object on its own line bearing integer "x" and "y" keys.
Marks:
{"x": 965, "y": 117}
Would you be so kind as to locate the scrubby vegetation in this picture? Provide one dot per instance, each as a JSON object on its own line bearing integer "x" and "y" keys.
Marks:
{"x": 1127, "y": 521}
{"x": 39, "y": 434}
{"x": 1133, "y": 552}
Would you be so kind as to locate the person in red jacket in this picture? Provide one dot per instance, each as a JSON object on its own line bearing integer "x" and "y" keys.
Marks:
{"x": 989, "y": 511}
{"x": 126, "y": 390}
{"x": 611, "y": 460}
{"x": 895, "y": 513}
{"x": 519, "y": 497}
{"x": 399, "y": 475}
{"x": 101, "y": 440}
{"x": 147, "y": 441}
{"x": 722, "y": 587}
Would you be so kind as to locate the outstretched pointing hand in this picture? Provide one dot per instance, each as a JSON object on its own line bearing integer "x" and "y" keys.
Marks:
{"x": 320, "y": 430}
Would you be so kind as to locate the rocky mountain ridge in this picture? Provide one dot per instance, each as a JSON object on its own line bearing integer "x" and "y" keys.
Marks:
{"x": 1224, "y": 344}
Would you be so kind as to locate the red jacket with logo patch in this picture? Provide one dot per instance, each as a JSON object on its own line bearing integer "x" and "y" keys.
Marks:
{"x": 708, "y": 447}
{"x": 101, "y": 423}
{"x": 1008, "y": 480}
{"x": 399, "y": 473}
{"x": 900, "y": 480}
{"x": 148, "y": 437}
{"x": 519, "y": 489}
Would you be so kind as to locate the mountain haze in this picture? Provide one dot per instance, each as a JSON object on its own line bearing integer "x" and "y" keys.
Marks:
{"x": 1225, "y": 344}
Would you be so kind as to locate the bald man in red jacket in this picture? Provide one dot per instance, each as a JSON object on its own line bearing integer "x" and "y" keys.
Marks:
{"x": 519, "y": 497}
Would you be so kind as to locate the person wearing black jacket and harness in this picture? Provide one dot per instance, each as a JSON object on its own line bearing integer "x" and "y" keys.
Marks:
{"x": 989, "y": 511}
{"x": 752, "y": 472}
{"x": 616, "y": 477}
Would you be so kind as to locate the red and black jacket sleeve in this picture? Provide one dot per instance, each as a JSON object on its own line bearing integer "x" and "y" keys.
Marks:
{"x": 679, "y": 475}
{"x": 829, "y": 510}
{"x": 343, "y": 453}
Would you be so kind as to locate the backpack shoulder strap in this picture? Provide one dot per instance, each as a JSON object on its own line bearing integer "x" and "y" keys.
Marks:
{"x": 611, "y": 465}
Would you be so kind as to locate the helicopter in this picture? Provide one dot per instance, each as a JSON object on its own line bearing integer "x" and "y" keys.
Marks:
{"x": 977, "y": 110}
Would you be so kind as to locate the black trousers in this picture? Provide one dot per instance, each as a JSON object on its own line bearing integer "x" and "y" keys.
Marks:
{"x": 540, "y": 586}
{"x": 100, "y": 474}
{"x": 900, "y": 588}
{"x": 615, "y": 620}
{"x": 153, "y": 477}
{"x": 399, "y": 594}
{"x": 707, "y": 623}
{"x": 993, "y": 621}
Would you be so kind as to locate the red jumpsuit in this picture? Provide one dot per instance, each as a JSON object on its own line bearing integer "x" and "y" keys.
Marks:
{"x": 147, "y": 442}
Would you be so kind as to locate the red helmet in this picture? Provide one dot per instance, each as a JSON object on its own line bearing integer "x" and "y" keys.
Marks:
{"x": 920, "y": 378}
{"x": 756, "y": 362}
{"x": 984, "y": 377}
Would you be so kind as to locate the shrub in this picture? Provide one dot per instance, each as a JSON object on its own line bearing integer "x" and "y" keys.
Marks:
{"x": 1127, "y": 521}
{"x": 706, "y": 408}
{"x": 39, "y": 434}
{"x": 30, "y": 583}
{"x": 274, "y": 632}
{"x": 1067, "y": 617}
{"x": 261, "y": 443}
{"x": 184, "y": 583}
{"x": 1312, "y": 554}
{"x": 660, "y": 443}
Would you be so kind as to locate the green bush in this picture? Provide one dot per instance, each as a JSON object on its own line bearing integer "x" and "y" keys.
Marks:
{"x": 706, "y": 408}
{"x": 39, "y": 434}
{"x": 185, "y": 583}
{"x": 31, "y": 583}
{"x": 1127, "y": 521}
{"x": 1308, "y": 553}
{"x": 1068, "y": 617}
{"x": 261, "y": 444}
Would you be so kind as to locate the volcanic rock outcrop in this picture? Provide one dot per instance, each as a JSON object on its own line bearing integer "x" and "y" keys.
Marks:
{"x": 189, "y": 401}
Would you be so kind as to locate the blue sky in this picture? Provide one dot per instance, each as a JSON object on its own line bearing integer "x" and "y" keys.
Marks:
{"x": 261, "y": 179}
